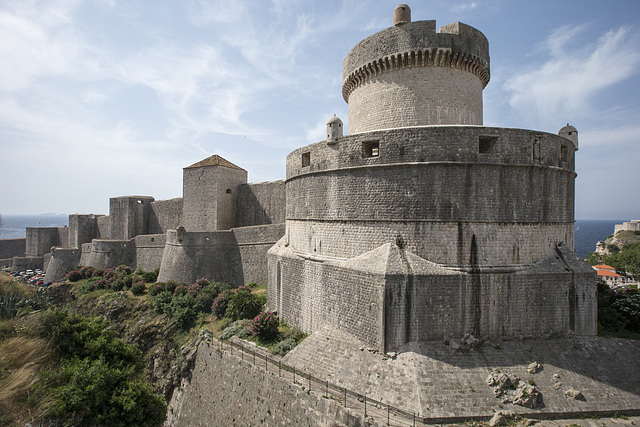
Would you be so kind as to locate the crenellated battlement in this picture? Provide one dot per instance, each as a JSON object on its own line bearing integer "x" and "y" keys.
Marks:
{"x": 435, "y": 57}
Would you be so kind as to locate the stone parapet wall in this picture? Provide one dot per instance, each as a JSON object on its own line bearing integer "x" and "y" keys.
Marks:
{"x": 104, "y": 226}
{"x": 224, "y": 390}
{"x": 85, "y": 256}
{"x": 129, "y": 216}
{"x": 41, "y": 239}
{"x": 210, "y": 197}
{"x": 312, "y": 293}
{"x": 427, "y": 144}
{"x": 434, "y": 191}
{"x": 236, "y": 256}
{"x": 537, "y": 302}
{"x": 457, "y": 37}
{"x": 63, "y": 236}
{"x": 149, "y": 251}
{"x": 262, "y": 203}
{"x": 188, "y": 256}
{"x": 253, "y": 244}
{"x": 165, "y": 215}
{"x": 83, "y": 229}
{"x": 46, "y": 259}
{"x": 12, "y": 247}
{"x": 111, "y": 253}
{"x": 27, "y": 263}
{"x": 437, "y": 190}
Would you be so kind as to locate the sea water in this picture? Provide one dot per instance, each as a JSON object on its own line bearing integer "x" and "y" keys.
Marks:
{"x": 15, "y": 226}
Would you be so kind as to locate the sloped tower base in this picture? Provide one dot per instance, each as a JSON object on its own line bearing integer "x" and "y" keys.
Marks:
{"x": 388, "y": 297}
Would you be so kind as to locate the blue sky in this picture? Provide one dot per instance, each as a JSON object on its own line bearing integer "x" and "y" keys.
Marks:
{"x": 106, "y": 98}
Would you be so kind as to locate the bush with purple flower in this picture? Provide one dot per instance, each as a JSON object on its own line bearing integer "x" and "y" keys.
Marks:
{"x": 265, "y": 325}
{"x": 221, "y": 302}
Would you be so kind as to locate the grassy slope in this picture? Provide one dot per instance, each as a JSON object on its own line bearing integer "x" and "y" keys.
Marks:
{"x": 23, "y": 354}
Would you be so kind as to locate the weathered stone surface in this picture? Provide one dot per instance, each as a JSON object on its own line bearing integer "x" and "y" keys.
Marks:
{"x": 501, "y": 418}
{"x": 224, "y": 390}
{"x": 534, "y": 368}
{"x": 501, "y": 382}
{"x": 528, "y": 395}
{"x": 434, "y": 381}
{"x": 574, "y": 394}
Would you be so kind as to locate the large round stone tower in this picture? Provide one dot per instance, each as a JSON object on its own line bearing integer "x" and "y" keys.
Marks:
{"x": 422, "y": 224}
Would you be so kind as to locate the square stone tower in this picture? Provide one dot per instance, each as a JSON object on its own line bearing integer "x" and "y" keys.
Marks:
{"x": 210, "y": 189}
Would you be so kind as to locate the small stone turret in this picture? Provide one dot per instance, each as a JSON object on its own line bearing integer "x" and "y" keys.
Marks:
{"x": 401, "y": 14}
{"x": 334, "y": 129}
{"x": 571, "y": 133}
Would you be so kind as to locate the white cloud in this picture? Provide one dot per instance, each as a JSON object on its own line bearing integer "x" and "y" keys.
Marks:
{"x": 465, "y": 7}
{"x": 565, "y": 83}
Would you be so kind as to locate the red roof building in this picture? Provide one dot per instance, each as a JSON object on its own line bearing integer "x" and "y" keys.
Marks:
{"x": 609, "y": 275}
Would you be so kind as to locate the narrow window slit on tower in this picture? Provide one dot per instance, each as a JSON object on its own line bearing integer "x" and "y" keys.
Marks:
{"x": 563, "y": 153}
{"x": 535, "y": 150}
{"x": 486, "y": 144}
{"x": 371, "y": 149}
{"x": 228, "y": 191}
{"x": 306, "y": 159}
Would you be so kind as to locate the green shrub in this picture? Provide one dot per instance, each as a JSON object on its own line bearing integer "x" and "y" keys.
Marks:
{"x": 243, "y": 304}
{"x": 87, "y": 272}
{"x": 87, "y": 287}
{"x": 162, "y": 302}
{"x": 184, "y": 310}
{"x": 629, "y": 307}
{"x": 157, "y": 288}
{"x": 285, "y": 346}
{"x": 101, "y": 378}
{"x": 138, "y": 288}
{"x": 239, "y": 328}
{"x": 172, "y": 285}
{"x": 150, "y": 277}
{"x": 117, "y": 284}
{"x": 124, "y": 269}
{"x": 293, "y": 333}
{"x": 265, "y": 326}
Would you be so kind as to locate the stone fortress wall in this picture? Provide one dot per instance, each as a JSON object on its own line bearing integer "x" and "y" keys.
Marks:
{"x": 633, "y": 225}
{"x": 10, "y": 248}
{"x": 151, "y": 234}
